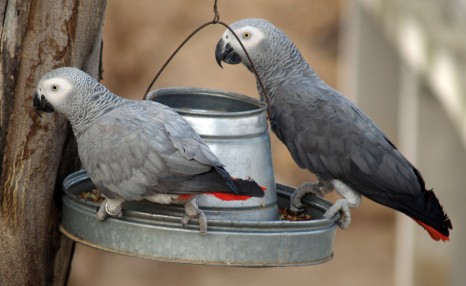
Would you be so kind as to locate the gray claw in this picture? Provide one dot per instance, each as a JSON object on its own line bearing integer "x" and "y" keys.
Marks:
{"x": 192, "y": 211}
{"x": 342, "y": 206}
{"x": 296, "y": 204}
{"x": 109, "y": 207}
{"x": 101, "y": 213}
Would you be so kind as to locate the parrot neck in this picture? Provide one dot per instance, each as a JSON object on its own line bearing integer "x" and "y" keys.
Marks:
{"x": 100, "y": 102}
{"x": 286, "y": 67}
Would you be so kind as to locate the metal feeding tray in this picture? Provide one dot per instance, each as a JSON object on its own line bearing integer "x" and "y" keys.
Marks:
{"x": 240, "y": 233}
{"x": 153, "y": 231}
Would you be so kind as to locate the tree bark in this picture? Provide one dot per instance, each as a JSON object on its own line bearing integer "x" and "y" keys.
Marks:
{"x": 37, "y": 152}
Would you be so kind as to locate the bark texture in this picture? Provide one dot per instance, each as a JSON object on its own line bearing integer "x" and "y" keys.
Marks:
{"x": 37, "y": 152}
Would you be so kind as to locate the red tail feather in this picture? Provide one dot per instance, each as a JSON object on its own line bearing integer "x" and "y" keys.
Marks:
{"x": 433, "y": 233}
{"x": 229, "y": 197}
{"x": 185, "y": 197}
{"x": 233, "y": 197}
{"x": 221, "y": 196}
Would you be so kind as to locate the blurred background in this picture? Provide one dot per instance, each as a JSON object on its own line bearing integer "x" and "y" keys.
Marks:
{"x": 403, "y": 62}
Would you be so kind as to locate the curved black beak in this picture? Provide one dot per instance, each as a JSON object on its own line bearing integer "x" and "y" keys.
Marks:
{"x": 219, "y": 55}
{"x": 41, "y": 104}
{"x": 224, "y": 52}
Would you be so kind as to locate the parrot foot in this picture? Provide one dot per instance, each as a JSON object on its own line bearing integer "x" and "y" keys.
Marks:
{"x": 342, "y": 206}
{"x": 192, "y": 211}
{"x": 110, "y": 207}
{"x": 296, "y": 204}
{"x": 351, "y": 199}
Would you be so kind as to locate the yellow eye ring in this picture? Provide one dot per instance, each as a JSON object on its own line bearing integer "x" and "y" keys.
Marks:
{"x": 246, "y": 35}
{"x": 54, "y": 87}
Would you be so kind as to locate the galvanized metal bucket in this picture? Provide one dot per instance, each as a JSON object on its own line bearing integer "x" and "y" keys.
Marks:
{"x": 235, "y": 128}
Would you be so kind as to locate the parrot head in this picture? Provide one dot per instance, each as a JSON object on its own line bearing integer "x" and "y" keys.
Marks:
{"x": 74, "y": 94}
{"x": 251, "y": 34}
{"x": 258, "y": 37}
{"x": 70, "y": 91}
{"x": 55, "y": 90}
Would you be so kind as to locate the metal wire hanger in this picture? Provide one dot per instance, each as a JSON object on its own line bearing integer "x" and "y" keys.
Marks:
{"x": 216, "y": 20}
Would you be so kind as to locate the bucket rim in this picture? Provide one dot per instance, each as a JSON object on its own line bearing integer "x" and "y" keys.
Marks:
{"x": 260, "y": 106}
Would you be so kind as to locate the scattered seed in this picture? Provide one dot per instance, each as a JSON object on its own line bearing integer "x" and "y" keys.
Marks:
{"x": 286, "y": 214}
{"x": 93, "y": 196}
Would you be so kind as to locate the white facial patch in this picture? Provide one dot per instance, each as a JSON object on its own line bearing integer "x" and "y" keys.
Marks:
{"x": 55, "y": 90}
{"x": 248, "y": 35}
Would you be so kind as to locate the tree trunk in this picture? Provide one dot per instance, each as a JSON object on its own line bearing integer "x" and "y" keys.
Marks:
{"x": 37, "y": 152}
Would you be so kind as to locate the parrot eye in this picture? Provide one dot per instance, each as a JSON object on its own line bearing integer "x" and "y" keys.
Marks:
{"x": 54, "y": 87}
{"x": 246, "y": 35}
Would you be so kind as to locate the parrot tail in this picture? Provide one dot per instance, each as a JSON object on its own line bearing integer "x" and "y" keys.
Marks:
{"x": 433, "y": 233}
{"x": 243, "y": 189}
{"x": 422, "y": 206}
{"x": 436, "y": 222}
{"x": 426, "y": 210}
{"x": 247, "y": 189}
{"x": 219, "y": 183}
{"x": 434, "y": 219}
{"x": 228, "y": 179}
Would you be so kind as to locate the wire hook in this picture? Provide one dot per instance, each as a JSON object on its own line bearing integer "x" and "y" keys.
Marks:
{"x": 216, "y": 13}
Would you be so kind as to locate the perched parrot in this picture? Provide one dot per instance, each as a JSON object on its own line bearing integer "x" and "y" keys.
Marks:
{"x": 327, "y": 134}
{"x": 134, "y": 150}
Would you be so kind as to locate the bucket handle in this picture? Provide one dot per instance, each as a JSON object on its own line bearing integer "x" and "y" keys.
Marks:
{"x": 216, "y": 20}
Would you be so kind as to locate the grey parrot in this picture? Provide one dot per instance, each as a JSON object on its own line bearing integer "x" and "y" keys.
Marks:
{"x": 134, "y": 150}
{"x": 327, "y": 134}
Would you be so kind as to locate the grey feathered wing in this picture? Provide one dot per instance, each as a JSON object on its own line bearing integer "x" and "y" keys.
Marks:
{"x": 331, "y": 137}
{"x": 138, "y": 148}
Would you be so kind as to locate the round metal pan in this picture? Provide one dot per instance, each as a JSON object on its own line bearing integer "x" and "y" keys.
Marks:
{"x": 153, "y": 231}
